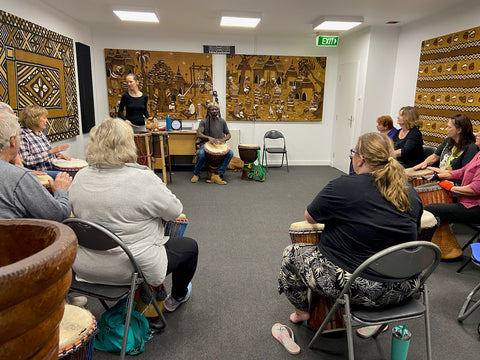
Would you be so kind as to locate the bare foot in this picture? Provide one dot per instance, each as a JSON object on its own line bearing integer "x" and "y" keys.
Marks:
{"x": 299, "y": 316}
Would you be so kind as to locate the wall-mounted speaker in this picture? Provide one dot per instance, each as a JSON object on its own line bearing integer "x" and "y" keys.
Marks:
{"x": 85, "y": 86}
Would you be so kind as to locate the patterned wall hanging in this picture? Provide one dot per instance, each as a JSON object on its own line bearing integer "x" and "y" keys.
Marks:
{"x": 37, "y": 67}
{"x": 275, "y": 88}
{"x": 177, "y": 83}
{"x": 448, "y": 82}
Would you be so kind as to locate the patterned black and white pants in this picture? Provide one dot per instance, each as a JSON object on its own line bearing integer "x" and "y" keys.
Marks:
{"x": 304, "y": 267}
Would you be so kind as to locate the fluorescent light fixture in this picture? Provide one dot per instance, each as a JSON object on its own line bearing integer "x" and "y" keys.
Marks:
{"x": 246, "y": 20}
{"x": 337, "y": 23}
{"x": 143, "y": 16}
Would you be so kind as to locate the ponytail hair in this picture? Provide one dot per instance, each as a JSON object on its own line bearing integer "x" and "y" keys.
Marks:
{"x": 390, "y": 178}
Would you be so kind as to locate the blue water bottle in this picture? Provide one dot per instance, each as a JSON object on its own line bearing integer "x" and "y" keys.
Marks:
{"x": 169, "y": 123}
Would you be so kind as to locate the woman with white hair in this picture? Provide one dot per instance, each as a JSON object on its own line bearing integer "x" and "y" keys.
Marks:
{"x": 130, "y": 200}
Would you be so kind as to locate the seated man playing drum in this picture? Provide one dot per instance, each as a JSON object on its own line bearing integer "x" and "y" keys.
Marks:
{"x": 362, "y": 214}
{"x": 212, "y": 129}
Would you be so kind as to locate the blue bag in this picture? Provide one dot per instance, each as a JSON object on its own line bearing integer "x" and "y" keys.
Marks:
{"x": 112, "y": 325}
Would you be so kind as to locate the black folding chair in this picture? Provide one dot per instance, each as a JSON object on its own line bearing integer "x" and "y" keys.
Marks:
{"x": 97, "y": 237}
{"x": 274, "y": 143}
{"x": 397, "y": 262}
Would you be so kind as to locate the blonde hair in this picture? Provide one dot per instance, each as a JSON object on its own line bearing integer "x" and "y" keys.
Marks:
{"x": 410, "y": 117}
{"x": 390, "y": 179}
{"x": 31, "y": 114}
{"x": 111, "y": 142}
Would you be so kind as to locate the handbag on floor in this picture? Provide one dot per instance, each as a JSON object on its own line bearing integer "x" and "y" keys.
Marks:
{"x": 111, "y": 328}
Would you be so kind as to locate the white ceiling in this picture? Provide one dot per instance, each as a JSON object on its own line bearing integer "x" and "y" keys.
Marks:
{"x": 279, "y": 17}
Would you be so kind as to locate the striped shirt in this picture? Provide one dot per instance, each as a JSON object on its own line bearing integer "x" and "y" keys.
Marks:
{"x": 35, "y": 150}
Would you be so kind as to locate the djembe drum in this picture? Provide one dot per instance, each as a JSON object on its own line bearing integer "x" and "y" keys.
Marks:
{"x": 215, "y": 154}
{"x": 416, "y": 177}
{"x": 429, "y": 224}
{"x": 72, "y": 167}
{"x": 44, "y": 181}
{"x": 144, "y": 152}
{"x": 304, "y": 232}
{"x": 249, "y": 154}
{"x": 77, "y": 332}
{"x": 443, "y": 237}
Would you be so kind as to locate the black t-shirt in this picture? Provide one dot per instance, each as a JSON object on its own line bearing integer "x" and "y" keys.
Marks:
{"x": 412, "y": 147}
{"x": 359, "y": 222}
{"x": 135, "y": 108}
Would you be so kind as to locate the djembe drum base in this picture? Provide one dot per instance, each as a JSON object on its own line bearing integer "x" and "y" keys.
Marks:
{"x": 445, "y": 239}
{"x": 319, "y": 308}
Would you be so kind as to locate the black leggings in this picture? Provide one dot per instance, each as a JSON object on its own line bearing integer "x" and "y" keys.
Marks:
{"x": 455, "y": 213}
{"x": 182, "y": 255}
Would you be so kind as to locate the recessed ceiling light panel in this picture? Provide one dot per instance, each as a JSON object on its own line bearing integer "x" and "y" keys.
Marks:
{"x": 142, "y": 16}
{"x": 240, "y": 19}
{"x": 337, "y": 23}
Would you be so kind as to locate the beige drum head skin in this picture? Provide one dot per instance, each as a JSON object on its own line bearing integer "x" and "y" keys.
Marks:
{"x": 69, "y": 164}
{"x": 75, "y": 324}
{"x": 418, "y": 173}
{"x": 303, "y": 225}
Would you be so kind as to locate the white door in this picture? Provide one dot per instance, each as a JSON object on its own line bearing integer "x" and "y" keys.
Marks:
{"x": 344, "y": 115}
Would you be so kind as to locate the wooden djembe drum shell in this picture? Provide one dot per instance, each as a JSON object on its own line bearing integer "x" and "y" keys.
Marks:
{"x": 36, "y": 257}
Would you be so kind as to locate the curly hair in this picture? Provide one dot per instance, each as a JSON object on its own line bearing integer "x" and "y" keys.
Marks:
{"x": 111, "y": 142}
{"x": 31, "y": 114}
{"x": 385, "y": 120}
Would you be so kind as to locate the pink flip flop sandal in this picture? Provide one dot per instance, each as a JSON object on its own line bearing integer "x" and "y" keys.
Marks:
{"x": 285, "y": 336}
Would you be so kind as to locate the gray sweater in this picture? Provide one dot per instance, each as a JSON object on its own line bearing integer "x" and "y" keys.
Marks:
{"x": 22, "y": 196}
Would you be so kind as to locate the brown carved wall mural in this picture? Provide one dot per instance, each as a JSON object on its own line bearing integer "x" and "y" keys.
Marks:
{"x": 37, "y": 67}
{"x": 178, "y": 84}
{"x": 275, "y": 88}
{"x": 448, "y": 82}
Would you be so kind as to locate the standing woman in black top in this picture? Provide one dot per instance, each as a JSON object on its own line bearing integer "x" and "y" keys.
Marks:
{"x": 408, "y": 141}
{"x": 135, "y": 104}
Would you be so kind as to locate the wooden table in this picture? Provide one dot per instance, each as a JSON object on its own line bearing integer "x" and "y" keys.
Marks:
{"x": 178, "y": 143}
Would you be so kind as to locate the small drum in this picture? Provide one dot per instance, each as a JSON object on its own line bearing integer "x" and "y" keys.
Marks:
{"x": 429, "y": 224}
{"x": 249, "y": 154}
{"x": 415, "y": 177}
{"x": 144, "y": 153}
{"x": 175, "y": 228}
{"x": 433, "y": 194}
{"x": 304, "y": 232}
{"x": 215, "y": 154}
{"x": 69, "y": 166}
{"x": 77, "y": 332}
{"x": 44, "y": 181}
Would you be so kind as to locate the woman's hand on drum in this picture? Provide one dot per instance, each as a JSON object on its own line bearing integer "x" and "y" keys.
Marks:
{"x": 59, "y": 148}
{"x": 64, "y": 157}
{"x": 421, "y": 166}
{"x": 62, "y": 181}
{"x": 441, "y": 173}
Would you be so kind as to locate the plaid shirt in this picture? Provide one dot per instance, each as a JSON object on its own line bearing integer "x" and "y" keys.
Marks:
{"x": 35, "y": 150}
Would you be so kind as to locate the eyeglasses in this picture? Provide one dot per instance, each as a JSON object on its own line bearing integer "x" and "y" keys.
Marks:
{"x": 352, "y": 152}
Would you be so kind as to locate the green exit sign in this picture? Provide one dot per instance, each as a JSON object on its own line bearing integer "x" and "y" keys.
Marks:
{"x": 327, "y": 40}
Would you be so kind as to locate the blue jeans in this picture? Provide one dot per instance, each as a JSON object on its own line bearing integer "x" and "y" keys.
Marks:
{"x": 201, "y": 160}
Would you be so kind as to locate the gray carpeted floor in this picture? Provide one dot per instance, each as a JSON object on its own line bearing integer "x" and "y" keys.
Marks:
{"x": 242, "y": 229}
